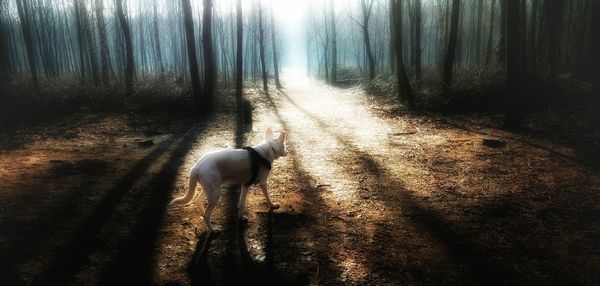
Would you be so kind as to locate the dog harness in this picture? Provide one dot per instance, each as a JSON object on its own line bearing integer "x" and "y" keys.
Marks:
{"x": 256, "y": 160}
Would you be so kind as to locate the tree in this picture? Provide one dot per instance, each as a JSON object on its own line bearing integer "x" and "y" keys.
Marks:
{"x": 23, "y": 12}
{"x": 129, "y": 68}
{"x": 239, "y": 60}
{"x": 366, "y": 9}
{"x": 513, "y": 63}
{"x": 404, "y": 90}
{"x": 333, "y": 45}
{"x": 103, "y": 41}
{"x": 490, "y": 51}
{"x": 4, "y": 58}
{"x": 88, "y": 41}
{"x": 274, "y": 47}
{"x": 157, "y": 48}
{"x": 450, "y": 51}
{"x": 417, "y": 43}
{"x": 192, "y": 58}
{"x": 210, "y": 69}
{"x": 261, "y": 43}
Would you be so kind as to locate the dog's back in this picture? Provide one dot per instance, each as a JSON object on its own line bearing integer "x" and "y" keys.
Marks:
{"x": 224, "y": 166}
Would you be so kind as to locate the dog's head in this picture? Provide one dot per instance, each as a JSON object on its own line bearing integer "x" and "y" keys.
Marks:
{"x": 277, "y": 144}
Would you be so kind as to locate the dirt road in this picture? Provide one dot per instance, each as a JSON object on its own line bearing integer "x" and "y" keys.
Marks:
{"x": 369, "y": 194}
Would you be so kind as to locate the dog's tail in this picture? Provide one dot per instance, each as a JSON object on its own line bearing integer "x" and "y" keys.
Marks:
{"x": 189, "y": 196}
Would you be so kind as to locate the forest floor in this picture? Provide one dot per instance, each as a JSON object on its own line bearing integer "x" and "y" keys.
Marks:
{"x": 370, "y": 193}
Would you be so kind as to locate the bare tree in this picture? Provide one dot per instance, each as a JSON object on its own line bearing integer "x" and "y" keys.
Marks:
{"x": 404, "y": 90}
{"x": 23, "y": 11}
{"x": 513, "y": 62}
{"x": 104, "y": 60}
{"x": 450, "y": 51}
{"x": 261, "y": 43}
{"x": 274, "y": 48}
{"x": 417, "y": 43}
{"x": 239, "y": 60}
{"x": 192, "y": 58}
{"x": 129, "y": 69}
{"x": 367, "y": 8}
{"x": 210, "y": 70}
{"x": 334, "y": 64}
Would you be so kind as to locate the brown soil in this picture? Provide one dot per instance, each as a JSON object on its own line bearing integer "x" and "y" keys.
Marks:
{"x": 369, "y": 194}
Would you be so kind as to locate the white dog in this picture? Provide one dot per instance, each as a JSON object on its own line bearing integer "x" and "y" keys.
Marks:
{"x": 246, "y": 166}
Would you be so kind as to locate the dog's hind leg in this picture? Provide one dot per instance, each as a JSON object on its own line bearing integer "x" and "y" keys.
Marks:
{"x": 242, "y": 202}
{"x": 212, "y": 197}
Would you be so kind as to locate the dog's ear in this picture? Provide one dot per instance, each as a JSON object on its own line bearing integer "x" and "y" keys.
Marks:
{"x": 282, "y": 136}
{"x": 269, "y": 134}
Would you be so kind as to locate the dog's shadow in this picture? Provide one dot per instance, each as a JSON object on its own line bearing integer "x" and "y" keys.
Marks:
{"x": 247, "y": 269}
{"x": 198, "y": 267}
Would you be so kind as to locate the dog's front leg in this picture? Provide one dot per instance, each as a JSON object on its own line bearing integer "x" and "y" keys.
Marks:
{"x": 242, "y": 202}
{"x": 263, "y": 188}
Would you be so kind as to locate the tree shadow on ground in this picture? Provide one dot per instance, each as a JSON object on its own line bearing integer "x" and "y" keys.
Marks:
{"x": 134, "y": 258}
{"x": 481, "y": 265}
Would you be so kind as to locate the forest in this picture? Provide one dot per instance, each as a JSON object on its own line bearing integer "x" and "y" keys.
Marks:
{"x": 424, "y": 142}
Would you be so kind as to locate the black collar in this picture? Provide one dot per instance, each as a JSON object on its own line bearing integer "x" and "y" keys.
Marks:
{"x": 255, "y": 160}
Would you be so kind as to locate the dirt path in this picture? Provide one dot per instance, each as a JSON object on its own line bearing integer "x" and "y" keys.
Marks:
{"x": 373, "y": 198}
{"x": 369, "y": 194}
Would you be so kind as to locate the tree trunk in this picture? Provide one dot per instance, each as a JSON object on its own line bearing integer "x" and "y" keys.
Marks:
{"x": 450, "y": 52}
{"x": 23, "y": 12}
{"x": 261, "y": 43}
{"x": 417, "y": 44}
{"x": 502, "y": 41}
{"x": 478, "y": 33}
{"x": 553, "y": 15}
{"x": 210, "y": 70}
{"x": 129, "y": 69}
{"x": 490, "y": 47}
{"x": 80, "y": 40}
{"x": 334, "y": 50}
{"x": 157, "y": 48}
{"x": 4, "y": 60}
{"x": 274, "y": 48}
{"x": 103, "y": 42}
{"x": 366, "y": 9}
{"x": 513, "y": 63}
{"x": 192, "y": 58}
{"x": 392, "y": 12}
{"x": 239, "y": 61}
{"x": 89, "y": 44}
{"x": 404, "y": 90}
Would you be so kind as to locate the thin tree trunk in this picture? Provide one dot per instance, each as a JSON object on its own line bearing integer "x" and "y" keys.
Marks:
{"x": 392, "y": 12}
{"x": 192, "y": 58}
{"x": 513, "y": 63}
{"x": 274, "y": 48}
{"x": 157, "y": 47}
{"x": 103, "y": 42}
{"x": 210, "y": 70}
{"x": 334, "y": 51}
{"x": 502, "y": 41}
{"x": 450, "y": 52}
{"x": 239, "y": 60}
{"x": 89, "y": 44}
{"x": 404, "y": 90}
{"x": 490, "y": 47}
{"x": 129, "y": 69}
{"x": 23, "y": 12}
{"x": 478, "y": 33}
{"x": 366, "y": 9}
{"x": 417, "y": 44}
{"x": 261, "y": 43}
